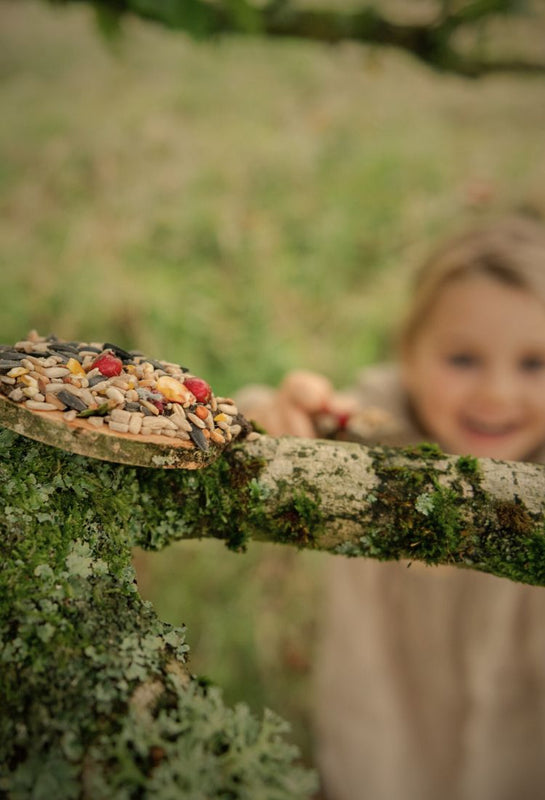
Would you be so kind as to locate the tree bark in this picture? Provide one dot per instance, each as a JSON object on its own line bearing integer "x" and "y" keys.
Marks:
{"x": 96, "y": 696}
{"x": 390, "y": 503}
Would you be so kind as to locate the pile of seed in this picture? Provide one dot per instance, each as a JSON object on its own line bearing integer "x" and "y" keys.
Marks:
{"x": 124, "y": 390}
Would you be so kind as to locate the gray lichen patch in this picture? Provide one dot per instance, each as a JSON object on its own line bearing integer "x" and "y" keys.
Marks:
{"x": 81, "y": 649}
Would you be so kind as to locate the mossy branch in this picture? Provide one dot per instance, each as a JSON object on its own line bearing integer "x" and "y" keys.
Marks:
{"x": 430, "y": 41}
{"x": 96, "y": 696}
{"x": 414, "y": 503}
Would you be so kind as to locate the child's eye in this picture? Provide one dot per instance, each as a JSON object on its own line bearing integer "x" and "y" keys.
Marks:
{"x": 532, "y": 364}
{"x": 463, "y": 360}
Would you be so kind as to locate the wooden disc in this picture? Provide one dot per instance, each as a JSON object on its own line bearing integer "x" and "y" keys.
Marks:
{"x": 79, "y": 436}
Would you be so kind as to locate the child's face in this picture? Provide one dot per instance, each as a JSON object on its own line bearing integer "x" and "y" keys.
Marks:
{"x": 475, "y": 371}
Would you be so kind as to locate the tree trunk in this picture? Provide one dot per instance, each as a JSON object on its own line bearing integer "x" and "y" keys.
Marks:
{"x": 96, "y": 696}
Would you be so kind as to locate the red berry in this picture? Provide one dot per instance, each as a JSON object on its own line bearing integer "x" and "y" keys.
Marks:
{"x": 342, "y": 420}
{"x": 107, "y": 364}
{"x": 199, "y": 388}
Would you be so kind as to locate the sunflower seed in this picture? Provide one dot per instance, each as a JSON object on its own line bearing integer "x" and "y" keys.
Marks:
{"x": 53, "y": 400}
{"x": 181, "y": 422}
{"x": 228, "y": 408}
{"x": 222, "y": 417}
{"x": 16, "y": 395}
{"x": 135, "y": 423}
{"x": 118, "y": 415}
{"x": 169, "y": 423}
{"x": 54, "y": 388}
{"x": 217, "y": 437}
{"x": 56, "y": 372}
{"x": 149, "y": 407}
{"x": 151, "y": 424}
{"x": 60, "y": 358}
{"x": 36, "y": 405}
{"x": 28, "y": 347}
{"x": 28, "y": 380}
{"x": 87, "y": 397}
{"x": 120, "y": 427}
{"x": 118, "y": 351}
{"x": 64, "y": 347}
{"x": 69, "y": 399}
{"x": 39, "y": 377}
{"x": 120, "y": 383}
{"x": 115, "y": 395}
{"x": 7, "y": 365}
{"x": 196, "y": 420}
{"x": 99, "y": 384}
{"x": 34, "y": 366}
{"x": 16, "y": 372}
{"x": 198, "y": 438}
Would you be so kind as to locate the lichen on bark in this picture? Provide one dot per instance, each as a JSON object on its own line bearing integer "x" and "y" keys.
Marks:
{"x": 97, "y": 700}
{"x": 445, "y": 510}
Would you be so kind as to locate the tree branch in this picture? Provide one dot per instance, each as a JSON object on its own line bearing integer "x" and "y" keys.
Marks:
{"x": 97, "y": 699}
{"x": 414, "y": 503}
{"x": 429, "y": 42}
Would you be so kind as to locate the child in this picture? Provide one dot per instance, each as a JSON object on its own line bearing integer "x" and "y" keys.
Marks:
{"x": 431, "y": 681}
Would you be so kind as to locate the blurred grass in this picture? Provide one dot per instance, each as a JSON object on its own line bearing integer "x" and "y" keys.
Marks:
{"x": 241, "y": 207}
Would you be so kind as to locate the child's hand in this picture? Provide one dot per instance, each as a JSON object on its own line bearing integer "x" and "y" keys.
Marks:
{"x": 302, "y": 399}
{"x": 289, "y": 409}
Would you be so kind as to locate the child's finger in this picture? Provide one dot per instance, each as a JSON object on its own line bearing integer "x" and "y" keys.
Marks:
{"x": 307, "y": 390}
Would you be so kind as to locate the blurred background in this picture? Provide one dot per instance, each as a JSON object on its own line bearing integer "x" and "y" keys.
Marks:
{"x": 240, "y": 206}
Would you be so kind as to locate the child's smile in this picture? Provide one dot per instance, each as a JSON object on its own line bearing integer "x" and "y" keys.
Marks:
{"x": 489, "y": 434}
{"x": 475, "y": 370}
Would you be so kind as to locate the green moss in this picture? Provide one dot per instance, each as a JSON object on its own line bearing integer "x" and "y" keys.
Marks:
{"x": 468, "y": 465}
{"x": 416, "y": 517}
{"x": 511, "y": 542}
{"x": 298, "y": 520}
{"x": 95, "y": 688}
{"x": 424, "y": 450}
{"x": 220, "y": 500}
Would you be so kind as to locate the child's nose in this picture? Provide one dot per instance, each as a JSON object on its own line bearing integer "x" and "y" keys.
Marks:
{"x": 498, "y": 389}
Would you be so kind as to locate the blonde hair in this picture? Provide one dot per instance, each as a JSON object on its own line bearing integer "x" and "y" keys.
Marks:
{"x": 511, "y": 250}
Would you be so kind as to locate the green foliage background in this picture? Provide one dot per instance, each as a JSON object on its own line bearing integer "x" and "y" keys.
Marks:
{"x": 242, "y": 207}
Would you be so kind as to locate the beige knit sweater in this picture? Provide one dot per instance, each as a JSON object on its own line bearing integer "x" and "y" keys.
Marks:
{"x": 430, "y": 681}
